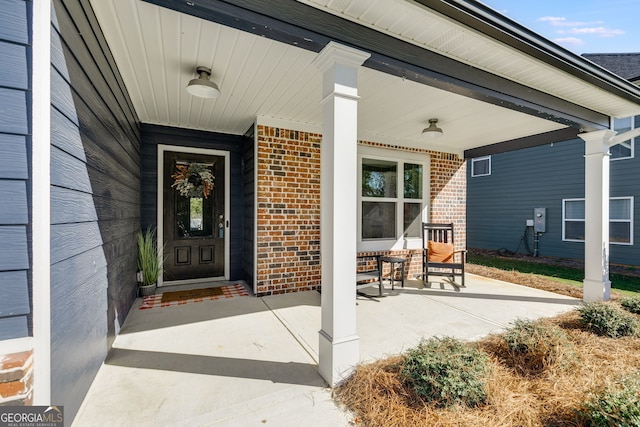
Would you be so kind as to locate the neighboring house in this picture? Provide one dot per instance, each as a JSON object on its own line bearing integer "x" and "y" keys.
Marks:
{"x": 503, "y": 190}
{"x": 313, "y": 94}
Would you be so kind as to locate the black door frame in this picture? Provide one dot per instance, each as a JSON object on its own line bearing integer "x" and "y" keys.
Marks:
{"x": 227, "y": 206}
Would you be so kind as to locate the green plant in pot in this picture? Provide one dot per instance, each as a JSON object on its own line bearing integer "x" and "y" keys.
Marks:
{"x": 148, "y": 262}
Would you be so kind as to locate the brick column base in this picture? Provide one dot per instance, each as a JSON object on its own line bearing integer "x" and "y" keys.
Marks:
{"x": 16, "y": 379}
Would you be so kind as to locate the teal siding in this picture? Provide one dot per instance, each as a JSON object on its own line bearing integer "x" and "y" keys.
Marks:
{"x": 499, "y": 205}
{"x": 15, "y": 143}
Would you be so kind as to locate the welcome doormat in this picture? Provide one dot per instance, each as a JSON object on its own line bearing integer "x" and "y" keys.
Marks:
{"x": 233, "y": 290}
{"x": 191, "y": 294}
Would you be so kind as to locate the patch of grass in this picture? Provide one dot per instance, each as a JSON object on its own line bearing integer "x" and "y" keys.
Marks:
{"x": 625, "y": 284}
{"x": 574, "y": 276}
{"x": 607, "y": 320}
{"x": 525, "y": 266}
{"x": 532, "y": 347}
{"x": 615, "y": 405}
{"x": 631, "y": 304}
{"x": 447, "y": 372}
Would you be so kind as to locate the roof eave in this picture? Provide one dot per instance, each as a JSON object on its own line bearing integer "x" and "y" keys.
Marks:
{"x": 491, "y": 23}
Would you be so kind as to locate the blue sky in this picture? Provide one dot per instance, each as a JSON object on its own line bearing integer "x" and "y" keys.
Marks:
{"x": 582, "y": 26}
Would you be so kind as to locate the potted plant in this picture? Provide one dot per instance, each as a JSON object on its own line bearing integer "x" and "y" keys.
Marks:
{"x": 148, "y": 262}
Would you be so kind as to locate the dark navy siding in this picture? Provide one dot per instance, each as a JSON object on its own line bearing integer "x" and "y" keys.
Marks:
{"x": 13, "y": 152}
{"x": 13, "y": 327}
{"x": 15, "y": 143}
{"x": 14, "y": 22}
{"x": 13, "y": 111}
{"x": 15, "y": 297}
{"x": 248, "y": 162}
{"x": 153, "y": 135}
{"x": 95, "y": 201}
{"x": 14, "y": 57}
{"x": 499, "y": 205}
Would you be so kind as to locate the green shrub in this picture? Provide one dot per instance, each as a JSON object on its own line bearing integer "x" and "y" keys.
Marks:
{"x": 447, "y": 372}
{"x": 631, "y": 304}
{"x": 617, "y": 405}
{"x": 533, "y": 346}
{"x": 607, "y": 320}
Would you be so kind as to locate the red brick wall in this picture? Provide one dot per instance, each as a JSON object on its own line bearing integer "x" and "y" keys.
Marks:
{"x": 288, "y": 226}
{"x": 16, "y": 379}
{"x": 288, "y": 220}
{"x": 449, "y": 193}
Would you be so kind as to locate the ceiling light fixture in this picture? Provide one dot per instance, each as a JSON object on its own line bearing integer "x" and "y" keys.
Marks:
{"x": 432, "y": 131}
{"x": 202, "y": 86}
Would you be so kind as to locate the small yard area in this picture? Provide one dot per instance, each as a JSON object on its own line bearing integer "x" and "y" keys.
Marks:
{"x": 553, "y": 372}
{"x": 575, "y": 369}
{"x": 563, "y": 276}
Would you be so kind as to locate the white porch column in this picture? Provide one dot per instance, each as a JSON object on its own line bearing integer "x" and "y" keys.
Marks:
{"x": 597, "y": 286}
{"x": 41, "y": 205}
{"x": 339, "y": 344}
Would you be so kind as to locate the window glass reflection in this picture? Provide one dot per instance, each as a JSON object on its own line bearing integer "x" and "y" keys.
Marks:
{"x": 379, "y": 178}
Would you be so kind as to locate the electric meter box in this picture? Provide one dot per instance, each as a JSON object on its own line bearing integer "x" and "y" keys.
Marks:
{"x": 539, "y": 220}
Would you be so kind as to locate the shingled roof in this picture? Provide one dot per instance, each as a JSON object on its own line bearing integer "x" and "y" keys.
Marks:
{"x": 626, "y": 65}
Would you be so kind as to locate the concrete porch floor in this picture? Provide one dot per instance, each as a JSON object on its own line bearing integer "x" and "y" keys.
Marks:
{"x": 253, "y": 361}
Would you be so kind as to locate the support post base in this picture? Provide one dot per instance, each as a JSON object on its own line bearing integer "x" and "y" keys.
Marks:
{"x": 596, "y": 290}
{"x": 338, "y": 358}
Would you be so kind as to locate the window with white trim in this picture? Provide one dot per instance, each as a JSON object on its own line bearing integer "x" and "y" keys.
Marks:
{"x": 625, "y": 149}
{"x": 392, "y": 200}
{"x": 573, "y": 220}
{"x": 481, "y": 166}
{"x": 620, "y": 220}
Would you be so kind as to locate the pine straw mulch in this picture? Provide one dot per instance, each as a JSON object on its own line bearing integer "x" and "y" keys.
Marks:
{"x": 547, "y": 397}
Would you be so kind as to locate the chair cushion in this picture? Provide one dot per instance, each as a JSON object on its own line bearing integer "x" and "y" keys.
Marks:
{"x": 440, "y": 252}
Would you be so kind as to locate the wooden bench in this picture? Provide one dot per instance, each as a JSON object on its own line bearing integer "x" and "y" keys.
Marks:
{"x": 368, "y": 273}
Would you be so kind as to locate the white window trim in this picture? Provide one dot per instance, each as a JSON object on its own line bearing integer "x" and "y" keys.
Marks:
{"x": 630, "y": 220}
{"x": 478, "y": 159}
{"x": 401, "y": 157}
{"x": 631, "y": 141}
{"x": 564, "y": 220}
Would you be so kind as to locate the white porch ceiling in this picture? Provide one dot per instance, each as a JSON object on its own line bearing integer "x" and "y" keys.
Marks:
{"x": 414, "y": 23}
{"x": 157, "y": 50}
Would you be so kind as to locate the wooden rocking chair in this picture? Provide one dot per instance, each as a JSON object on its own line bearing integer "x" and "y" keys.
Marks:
{"x": 439, "y": 257}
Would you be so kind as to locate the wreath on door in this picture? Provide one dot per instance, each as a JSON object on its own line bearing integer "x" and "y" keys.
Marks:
{"x": 193, "y": 180}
